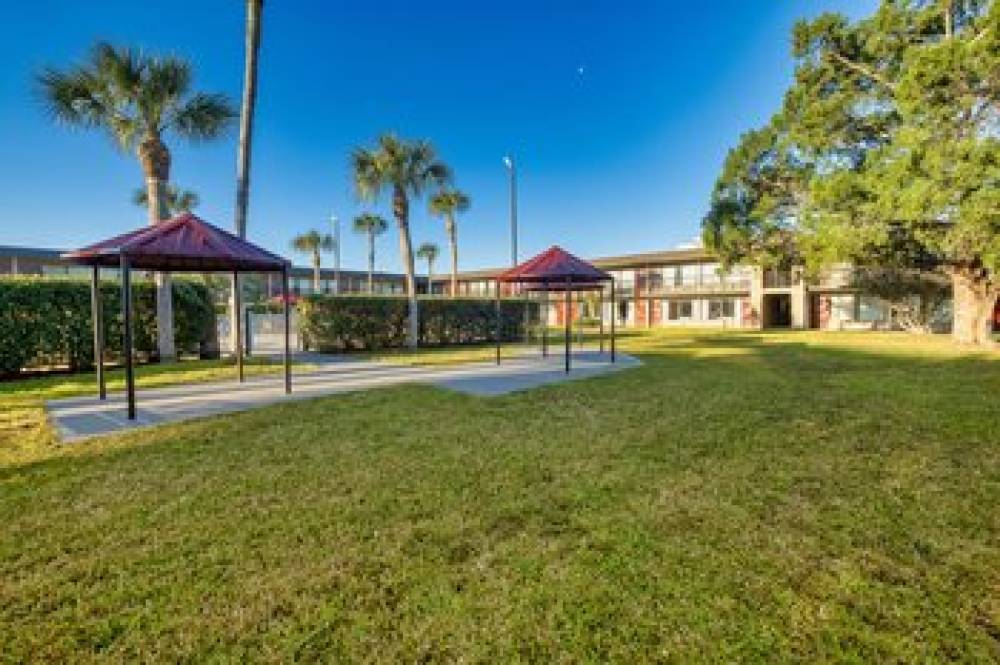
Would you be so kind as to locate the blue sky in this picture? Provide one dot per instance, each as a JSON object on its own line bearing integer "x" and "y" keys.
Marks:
{"x": 620, "y": 114}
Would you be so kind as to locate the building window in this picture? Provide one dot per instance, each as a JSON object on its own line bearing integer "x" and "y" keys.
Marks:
{"x": 654, "y": 280}
{"x": 721, "y": 309}
{"x": 871, "y": 309}
{"x": 679, "y": 309}
{"x": 710, "y": 273}
{"x": 623, "y": 308}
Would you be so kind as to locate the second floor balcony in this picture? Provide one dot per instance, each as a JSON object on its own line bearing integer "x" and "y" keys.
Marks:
{"x": 655, "y": 284}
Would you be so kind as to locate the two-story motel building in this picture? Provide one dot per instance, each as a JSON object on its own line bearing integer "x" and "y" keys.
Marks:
{"x": 688, "y": 287}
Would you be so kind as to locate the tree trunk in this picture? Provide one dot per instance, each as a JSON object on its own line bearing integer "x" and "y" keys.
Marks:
{"x": 974, "y": 296}
{"x": 249, "y": 104}
{"x": 453, "y": 243}
{"x": 401, "y": 211}
{"x": 155, "y": 160}
{"x": 430, "y": 276}
{"x": 252, "y": 39}
{"x": 371, "y": 261}
{"x": 317, "y": 275}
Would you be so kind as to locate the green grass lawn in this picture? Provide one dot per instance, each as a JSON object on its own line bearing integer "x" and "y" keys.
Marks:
{"x": 806, "y": 496}
{"x": 25, "y": 433}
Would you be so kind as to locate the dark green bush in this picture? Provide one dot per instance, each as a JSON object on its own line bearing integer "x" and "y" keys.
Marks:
{"x": 363, "y": 323}
{"x": 46, "y": 322}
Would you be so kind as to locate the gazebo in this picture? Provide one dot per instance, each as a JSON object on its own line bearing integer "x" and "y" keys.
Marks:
{"x": 184, "y": 243}
{"x": 556, "y": 270}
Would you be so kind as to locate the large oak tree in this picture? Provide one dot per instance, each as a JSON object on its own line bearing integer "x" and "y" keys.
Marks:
{"x": 889, "y": 134}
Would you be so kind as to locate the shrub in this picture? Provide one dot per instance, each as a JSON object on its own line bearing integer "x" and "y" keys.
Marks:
{"x": 47, "y": 322}
{"x": 364, "y": 323}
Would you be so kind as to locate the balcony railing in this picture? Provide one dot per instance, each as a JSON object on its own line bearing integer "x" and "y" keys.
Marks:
{"x": 833, "y": 278}
{"x": 705, "y": 285}
{"x": 778, "y": 279}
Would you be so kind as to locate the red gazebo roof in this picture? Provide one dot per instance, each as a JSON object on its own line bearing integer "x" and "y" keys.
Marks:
{"x": 185, "y": 242}
{"x": 557, "y": 266}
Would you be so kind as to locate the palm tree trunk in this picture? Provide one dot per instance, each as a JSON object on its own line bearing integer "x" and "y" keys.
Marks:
{"x": 371, "y": 261}
{"x": 453, "y": 242}
{"x": 317, "y": 278}
{"x": 430, "y": 276}
{"x": 252, "y": 39}
{"x": 247, "y": 109}
{"x": 155, "y": 160}
{"x": 401, "y": 211}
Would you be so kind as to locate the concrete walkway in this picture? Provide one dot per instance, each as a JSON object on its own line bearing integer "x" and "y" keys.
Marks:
{"x": 82, "y": 417}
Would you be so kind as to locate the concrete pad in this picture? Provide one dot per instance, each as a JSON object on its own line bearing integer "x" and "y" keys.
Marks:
{"x": 525, "y": 374}
{"x": 81, "y": 417}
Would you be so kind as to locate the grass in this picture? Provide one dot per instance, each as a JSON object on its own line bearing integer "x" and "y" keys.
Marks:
{"x": 787, "y": 496}
{"x": 25, "y": 433}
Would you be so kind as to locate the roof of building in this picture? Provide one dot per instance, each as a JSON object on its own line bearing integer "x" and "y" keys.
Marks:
{"x": 331, "y": 273}
{"x": 185, "y": 242}
{"x": 30, "y": 252}
{"x": 554, "y": 265}
{"x": 615, "y": 262}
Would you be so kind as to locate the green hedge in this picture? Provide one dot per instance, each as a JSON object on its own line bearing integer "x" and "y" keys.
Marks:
{"x": 363, "y": 323}
{"x": 47, "y": 322}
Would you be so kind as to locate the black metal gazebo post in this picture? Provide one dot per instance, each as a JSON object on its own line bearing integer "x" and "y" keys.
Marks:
{"x": 496, "y": 322}
{"x": 238, "y": 322}
{"x": 614, "y": 315}
{"x": 600, "y": 317}
{"x": 288, "y": 319}
{"x": 97, "y": 317}
{"x": 544, "y": 316}
{"x": 126, "y": 277}
{"x": 568, "y": 319}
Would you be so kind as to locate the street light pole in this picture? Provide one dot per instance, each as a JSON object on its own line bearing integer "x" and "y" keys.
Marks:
{"x": 508, "y": 161}
{"x": 335, "y": 221}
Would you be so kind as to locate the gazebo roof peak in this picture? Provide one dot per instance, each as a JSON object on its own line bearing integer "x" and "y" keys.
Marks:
{"x": 555, "y": 265}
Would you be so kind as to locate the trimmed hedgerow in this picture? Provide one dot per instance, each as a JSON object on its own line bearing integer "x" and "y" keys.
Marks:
{"x": 47, "y": 322}
{"x": 365, "y": 323}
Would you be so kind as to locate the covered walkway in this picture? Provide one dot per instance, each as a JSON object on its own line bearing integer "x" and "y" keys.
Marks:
{"x": 79, "y": 418}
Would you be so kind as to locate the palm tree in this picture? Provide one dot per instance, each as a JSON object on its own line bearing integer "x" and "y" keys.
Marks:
{"x": 138, "y": 99}
{"x": 371, "y": 225}
{"x": 313, "y": 242}
{"x": 429, "y": 252}
{"x": 247, "y": 109}
{"x": 407, "y": 169}
{"x": 447, "y": 203}
{"x": 178, "y": 200}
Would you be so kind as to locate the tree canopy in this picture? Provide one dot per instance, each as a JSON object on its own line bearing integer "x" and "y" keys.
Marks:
{"x": 889, "y": 134}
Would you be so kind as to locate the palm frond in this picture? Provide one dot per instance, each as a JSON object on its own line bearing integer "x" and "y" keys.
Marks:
{"x": 367, "y": 175}
{"x": 370, "y": 223}
{"x": 71, "y": 97}
{"x": 438, "y": 173}
{"x": 185, "y": 200}
{"x": 313, "y": 241}
{"x": 428, "y": 251}
{"x": 165, "y": 82}
{"x": 120, "y": 70}
{"x": 178, "y": 200}
{"x": 203, "y": 116}
{"x": 448, "y": 202}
